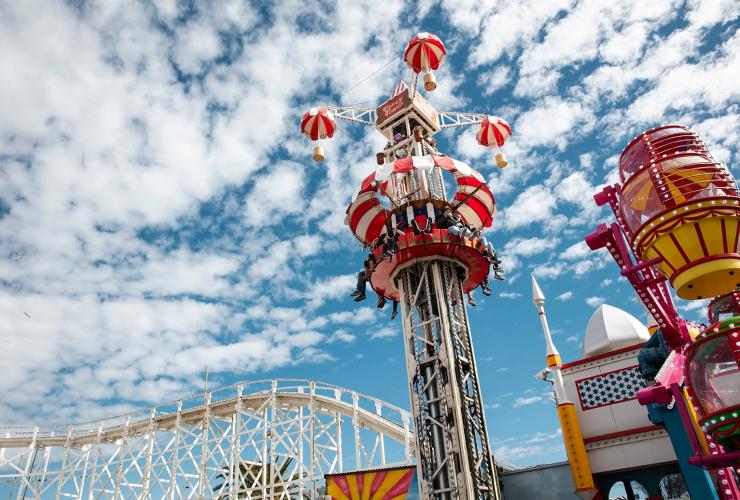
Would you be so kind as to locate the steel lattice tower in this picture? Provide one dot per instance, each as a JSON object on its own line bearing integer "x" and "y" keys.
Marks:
{"x": 429, "y": 276}
{"x": 453, "y": 451}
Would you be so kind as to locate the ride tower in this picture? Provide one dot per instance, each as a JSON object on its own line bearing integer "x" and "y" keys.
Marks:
{"x": 401, "y": 213}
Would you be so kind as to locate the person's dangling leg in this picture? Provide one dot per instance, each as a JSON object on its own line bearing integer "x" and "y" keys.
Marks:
{"x": 454, "y": 231}
{"x": 485, "y": 287}
{"x": 381, "y": 302}
{"x": 357, "y": 291}
{"x": 361, "y": 287}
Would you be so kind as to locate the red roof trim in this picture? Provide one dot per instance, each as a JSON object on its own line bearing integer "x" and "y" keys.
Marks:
{"x": 601, "y": 356}
{"x": 628, "y": 432}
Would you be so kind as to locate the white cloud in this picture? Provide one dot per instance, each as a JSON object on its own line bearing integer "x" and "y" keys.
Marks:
{"x": 595, "y": 301}
{"x": 510, "y": 295}
{"x": 526, "y": 401}
{"x": 334, "y": 287}
{"x": 468, "y": 147}
{"x": 342, "y": 335}
{"x": 694, "y": 305}
{"x": 534, "y": 204}
{"x": 625, "y": 45}
{"x": 527, "y": 247}
{"x": 492, "y": 81}
{"x": 196, "y": 43}
{"x": 685, "y": 85}
{"x": 276, "y": 193}
{"x": 516, "y": 452}
{"x": 385, "y": 333}
{"x": 506, "y": 28}
{"x": 539, "y": 437}
{"x": 552, "y": 122}
{"x": 575, "y": 251}
{"x": 586, "y": 160}
{"x": 565, "y": 296}
{"x": 549, "y": 270}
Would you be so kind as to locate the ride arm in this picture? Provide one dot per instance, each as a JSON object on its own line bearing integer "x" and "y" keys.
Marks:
{"x": 649, "y": 284}
{"x": 365, "y": 116}
{"x": 449, "y": 119}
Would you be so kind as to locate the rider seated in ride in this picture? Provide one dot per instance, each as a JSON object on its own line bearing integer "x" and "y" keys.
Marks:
{"x": 453, "y": 223}
{"x": 363, "y": 277}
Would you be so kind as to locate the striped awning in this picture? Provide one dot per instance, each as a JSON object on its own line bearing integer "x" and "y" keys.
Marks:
{"x": 474, "y": 201}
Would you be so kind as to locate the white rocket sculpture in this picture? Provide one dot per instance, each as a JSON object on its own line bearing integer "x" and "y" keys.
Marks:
{"x": 574, "y": 445}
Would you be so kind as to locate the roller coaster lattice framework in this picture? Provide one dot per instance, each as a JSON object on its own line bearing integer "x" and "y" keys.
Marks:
{"x": 263, "y": 439}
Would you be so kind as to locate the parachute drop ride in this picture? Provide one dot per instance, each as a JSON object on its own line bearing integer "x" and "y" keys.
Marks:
{"x": 318, "y": 123}
{"x": 492, "y": 134}
{"x": 426, "y": 252}
{"x": 680, "y": 209}
{"x": 425, "y": 52}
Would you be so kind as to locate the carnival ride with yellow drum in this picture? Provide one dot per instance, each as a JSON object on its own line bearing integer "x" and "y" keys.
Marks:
{"x": 678, "y": 221}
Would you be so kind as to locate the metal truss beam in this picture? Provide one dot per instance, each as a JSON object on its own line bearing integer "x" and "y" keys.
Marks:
{"x": 449, "y": 119}
{"x": 453, "y": 453}
{"x": 365, "y": 116}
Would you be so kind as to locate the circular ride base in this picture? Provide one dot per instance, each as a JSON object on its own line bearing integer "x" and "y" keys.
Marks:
{"x": 438, "y": 244}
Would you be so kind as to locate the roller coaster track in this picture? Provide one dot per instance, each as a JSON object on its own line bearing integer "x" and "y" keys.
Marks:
{"x": 261, "y": 439}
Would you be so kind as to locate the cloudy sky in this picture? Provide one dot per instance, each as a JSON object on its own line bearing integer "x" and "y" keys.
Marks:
{"x": 159, "y": 211}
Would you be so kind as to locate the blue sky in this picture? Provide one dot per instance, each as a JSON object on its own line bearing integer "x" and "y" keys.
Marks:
{"x": 168, "y": 215}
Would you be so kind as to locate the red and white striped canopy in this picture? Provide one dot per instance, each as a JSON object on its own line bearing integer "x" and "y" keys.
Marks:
{"x": 424, "y": 52}
{"x": 473, "y": 198}
{"x": 318, "y": 123}
{"x": 493, "y": 132}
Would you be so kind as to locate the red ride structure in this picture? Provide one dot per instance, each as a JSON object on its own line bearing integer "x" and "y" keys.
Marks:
{"x": 678, "y": 223}
{"x": 421, "y": 214}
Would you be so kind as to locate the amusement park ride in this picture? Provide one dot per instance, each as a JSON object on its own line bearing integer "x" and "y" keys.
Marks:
{"x": 677, "y": 222}
{"x": 427, "y": 252}
{"x": 677, "y": 217}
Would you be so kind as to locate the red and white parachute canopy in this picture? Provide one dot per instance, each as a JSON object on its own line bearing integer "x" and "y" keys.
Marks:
{"x": 367, "y": 217}
{"x": 493, "y": 132}
{"x": 424, "y": 52}
{"x": 318, "y": 123}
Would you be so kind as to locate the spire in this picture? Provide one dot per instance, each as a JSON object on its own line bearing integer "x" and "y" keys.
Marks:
{"x": 537, "y": 297}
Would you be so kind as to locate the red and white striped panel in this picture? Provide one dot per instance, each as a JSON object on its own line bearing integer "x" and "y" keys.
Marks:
{"x": 367, "y": 217}
{"x": 479, "y": 209}
{"x": 493, "y": 132}
{"x": 318, "y": 123}
{"x": 473, "y": 198}
{"x": 424, "y": 52}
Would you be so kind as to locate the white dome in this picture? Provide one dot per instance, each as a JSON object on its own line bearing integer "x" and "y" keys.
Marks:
{"x": 611, "y": 328}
